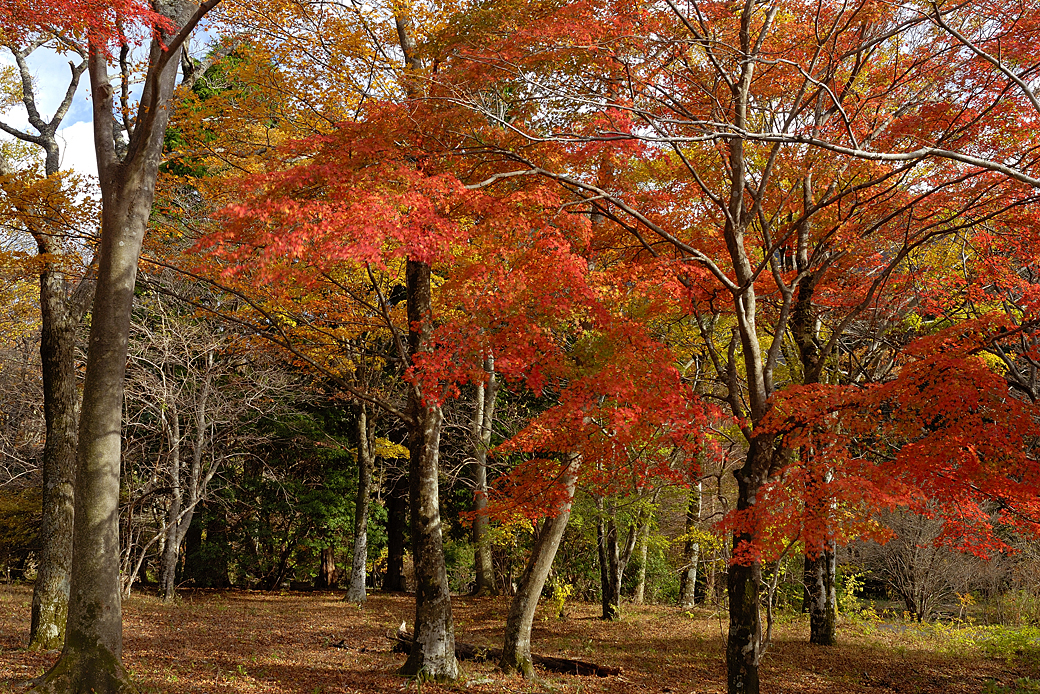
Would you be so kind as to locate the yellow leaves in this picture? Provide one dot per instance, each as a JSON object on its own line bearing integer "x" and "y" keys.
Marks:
{"x": 385, "y": 448}
{"x": 10, "y": 87}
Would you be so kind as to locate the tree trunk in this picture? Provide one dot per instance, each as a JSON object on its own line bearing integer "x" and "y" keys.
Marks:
{"x": 691, "y": 551}
{"x": 614, "y": 559}
{"x": 433, "y": 651}
{"x": 644, "y": 540}
{"x": 819, "y": 582}
{"x": 396, "y": 518}
{"x": 171, "y": 546}
{"x": 483, "y": 418}
{"x": 366, "y": 464}
{"x": 327, "y": 571}
{"x": 91, "y": 658}
{"x": 50, "y": 603}
{"x": 516, "y": 651}
{"x": 743, "y": 579}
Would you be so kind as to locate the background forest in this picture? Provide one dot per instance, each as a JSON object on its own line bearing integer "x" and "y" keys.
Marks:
{"x": 683, "y": 303}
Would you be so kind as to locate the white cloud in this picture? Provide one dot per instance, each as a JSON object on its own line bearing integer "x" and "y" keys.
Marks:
{"x": 77, "y": 149}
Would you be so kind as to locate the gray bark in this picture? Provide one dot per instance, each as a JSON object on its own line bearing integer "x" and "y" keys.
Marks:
{"x": 433, "y": 650}
{"x": 516, "y": 651}
{"x": 483, "y": 418}
{"x": 366, "y": 464}
{"x": 91, "y": 659}
{"x": 822, "y": 594}
{"x": 61, "y": 312}
{"x": 644, "y": 540}
{"x": 691, "y": 551}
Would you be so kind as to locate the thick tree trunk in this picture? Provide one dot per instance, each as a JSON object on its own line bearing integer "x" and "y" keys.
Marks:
{"x": 396, "y": 519}
{"x": 516, "y": 651}
{"x": 366, "y": 464}
{"x": 61, "y": 312}
{"x": 50, "y": 603}
{"x": 433, "y": 651}
{"x": 483, "y": 418}
{"x": 744, "y": 642}
{"x": 691, "y": 551}
{"x": 91, "y": 658}
{"x": 819, "y": 582}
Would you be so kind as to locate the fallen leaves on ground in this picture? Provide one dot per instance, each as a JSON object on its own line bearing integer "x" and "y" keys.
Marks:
{"x": 244, "y": 642}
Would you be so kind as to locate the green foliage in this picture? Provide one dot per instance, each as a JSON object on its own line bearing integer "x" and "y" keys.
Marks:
{"x": 19, "y": 523}
{"x": 1023, "y": 685}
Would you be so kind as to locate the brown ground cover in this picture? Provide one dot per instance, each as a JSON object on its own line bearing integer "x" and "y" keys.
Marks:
{"x": 314, "y": 643}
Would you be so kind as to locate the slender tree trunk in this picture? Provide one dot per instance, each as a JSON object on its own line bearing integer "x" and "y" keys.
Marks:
{"x": 604, "y": 545}
{"x": 50, "y": 603}
{"x": 433, "y": 648}
{"x": 172, "y": 425}
{"x": 691, "y": 551}
{"x": 644, "y": 540}
{"x": 483, "y": 418}
{"x": 91, "y": 659}
{"x": 516, "y": 651}
{"x": 366, "y": 464}
{"x": 396, "y": 518}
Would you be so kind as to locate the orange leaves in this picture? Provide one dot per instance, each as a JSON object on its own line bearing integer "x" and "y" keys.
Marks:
{"x": 944, "y": 429}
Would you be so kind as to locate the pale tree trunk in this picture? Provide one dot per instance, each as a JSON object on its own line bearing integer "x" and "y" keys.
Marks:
{"x": 691, "y": 551}
{"x": 172, "y": 426}
{"x": 366, "y": 464}
{"x": 483, "y": 418}
{"x": 639, "y": 594}
{"x": 433, "y": 649}
{"x": 91, "y": 659}
{"x": 516, "y": 651}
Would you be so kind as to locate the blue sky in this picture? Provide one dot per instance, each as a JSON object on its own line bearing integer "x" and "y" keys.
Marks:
{"x": 51, "y": 73}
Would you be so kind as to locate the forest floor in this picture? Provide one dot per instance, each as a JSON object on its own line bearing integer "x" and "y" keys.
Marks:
{"x": 314, "y": 643}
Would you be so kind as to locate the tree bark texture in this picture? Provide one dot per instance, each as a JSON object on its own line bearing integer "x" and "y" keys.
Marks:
{"x": 516, "y": 650}
{"x": 50, "y": 602}
{"x": 691, "y": 551}
{"x": 91, "y": 657}
{"x": 483, "y": 418}
{"x": 744, "y": 644}
{"x": 366, "y": 465}
{"x": 819, "y": 582}
{"x": 433, "y": 651}
{"x": 60, "y": 311}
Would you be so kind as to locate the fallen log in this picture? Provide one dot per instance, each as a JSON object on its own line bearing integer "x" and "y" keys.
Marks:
{"x": 469, "y": 651}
